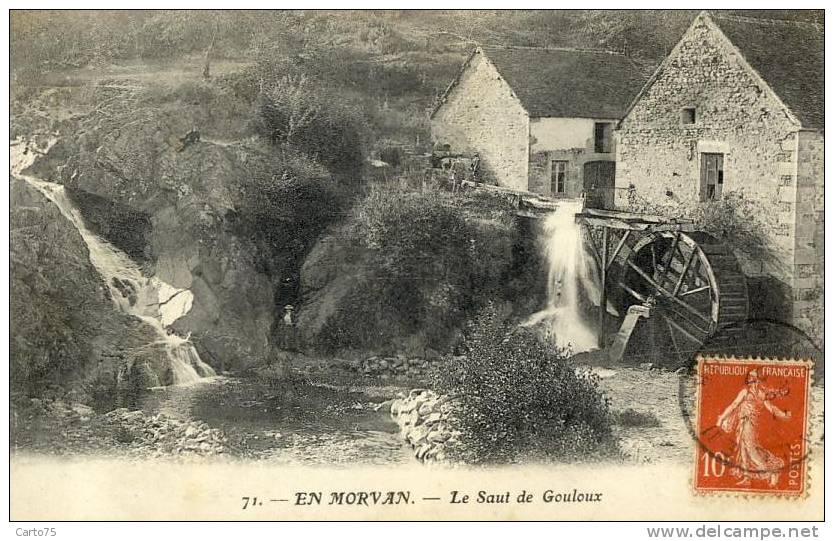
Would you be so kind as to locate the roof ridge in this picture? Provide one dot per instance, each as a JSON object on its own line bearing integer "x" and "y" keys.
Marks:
{"x": 762, "y": 20}
{"x": 566, "y": 49}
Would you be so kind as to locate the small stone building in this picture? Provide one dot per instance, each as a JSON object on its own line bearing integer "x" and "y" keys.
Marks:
{"x": 737, "y": 110}
{"x": 540, "y": 120}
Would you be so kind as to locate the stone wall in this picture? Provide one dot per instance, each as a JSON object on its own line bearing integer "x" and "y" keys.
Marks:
{"x": 809, "y": 232}
{"x": 735, "y": 115}
{"x": 568, "y": 139}
{"x": 481, "y": 114}
{"x": 425, "y": 420}
{"x": 398, "y": 368}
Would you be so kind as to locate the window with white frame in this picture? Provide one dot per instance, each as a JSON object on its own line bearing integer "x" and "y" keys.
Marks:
{"x": 558, "y": 176}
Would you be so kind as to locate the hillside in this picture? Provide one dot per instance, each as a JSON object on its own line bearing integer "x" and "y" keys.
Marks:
{"x": 271, "y": 203}
{"x": 390, "y": 64}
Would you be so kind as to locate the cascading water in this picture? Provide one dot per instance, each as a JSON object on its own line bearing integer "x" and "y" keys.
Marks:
{"x": 156, "y": 303}
{"x": 569, "y": 281}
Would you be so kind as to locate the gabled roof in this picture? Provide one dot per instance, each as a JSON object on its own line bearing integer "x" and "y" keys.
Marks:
{"x": 788, "y": 56}
{"x": 566, "y": 83}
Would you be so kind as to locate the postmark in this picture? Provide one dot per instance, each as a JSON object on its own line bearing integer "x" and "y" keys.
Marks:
{"x": 751, "y": 424}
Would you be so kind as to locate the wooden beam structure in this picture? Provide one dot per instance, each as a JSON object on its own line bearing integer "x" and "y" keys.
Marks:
{"x": 603, "y": 291}
{"x": 628, "y": 223}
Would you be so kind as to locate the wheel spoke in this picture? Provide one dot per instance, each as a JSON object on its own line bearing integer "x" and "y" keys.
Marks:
{"x": 693, "y": 291}
{"x": 619, "y": 247}
{"x": 685, "y": 270}
{"x": 681, "y": 329}
{"x": 663, "y": 291}
{"x": 671, "y": 254}
{"x": 697, "y": 278}
{"x": 633, "y": 293}
{"x": 669, "y": 325}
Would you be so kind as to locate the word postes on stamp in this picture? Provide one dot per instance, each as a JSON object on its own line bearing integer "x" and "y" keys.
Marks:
{"x": 751, "y": 424}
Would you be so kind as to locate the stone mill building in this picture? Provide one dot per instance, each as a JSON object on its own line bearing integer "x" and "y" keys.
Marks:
{"x": 736, "y": 112}
{"x": 540, "y": 120}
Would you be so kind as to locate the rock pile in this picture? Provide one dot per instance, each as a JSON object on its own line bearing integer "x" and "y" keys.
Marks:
{"x": 399, "y": 367}
{"x": 424, "y": 418}
{"x": 163, "y": 435}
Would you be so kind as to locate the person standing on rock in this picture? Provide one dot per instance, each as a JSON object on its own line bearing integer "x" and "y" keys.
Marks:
{"x": 288, "y": 330}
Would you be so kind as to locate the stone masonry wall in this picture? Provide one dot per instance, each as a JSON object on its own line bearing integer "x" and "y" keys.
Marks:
{"x": 540, "y": 163}
{"x": 735, "y": 115}
{"x": 568, "y": 139}
{"x": 483, "y": 115}
{"x": 810, "y": 232}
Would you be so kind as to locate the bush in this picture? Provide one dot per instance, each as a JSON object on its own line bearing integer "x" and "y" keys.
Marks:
{"x": 283, "y": 207}
{"x": 632, "y": 418}
{"x": 419, "y": 268}
{"x": 520, "y": 400}
{"x": 304, "y": 116}
{"x": 734, "y": 219}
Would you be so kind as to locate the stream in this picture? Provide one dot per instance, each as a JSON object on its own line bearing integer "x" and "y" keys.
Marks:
{"x": 153, "y": 301}
{"x": 570, "y": 281}
{"x": 277, "y": 420}
{"x": 288, "y": 422}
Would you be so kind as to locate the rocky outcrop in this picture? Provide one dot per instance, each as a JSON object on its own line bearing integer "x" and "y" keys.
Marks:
{"x": 124, "y": 228}
{"x": 66, "y": 334}
{"x": 173, "y": 212}
{"x": 159, "y": 434}
{"x": 330, "y": 272}
{"x": 425, "y": 421}
{"x": 399, "y": 368}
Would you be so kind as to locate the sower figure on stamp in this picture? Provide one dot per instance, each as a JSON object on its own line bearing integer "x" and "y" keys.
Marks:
{"x": 741, "y": 418}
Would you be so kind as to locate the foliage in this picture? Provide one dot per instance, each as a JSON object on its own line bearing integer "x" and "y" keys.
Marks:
{"x": 630, "y": 417}
{"x": 520, "y": 400}
{"x": 734, "y": 219}
{"x": 283, "y": 207}
{"x": 420, "y": 267}
{"x": 390, "y": 65}
{"x": 421, "y": 241}
{"x": 80, "y": 36}
{"x": 298, "y": 114}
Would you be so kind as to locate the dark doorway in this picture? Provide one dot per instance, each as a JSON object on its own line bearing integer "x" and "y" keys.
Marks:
{"x": 598, "y": 184}
{"x": 712, "y": 176}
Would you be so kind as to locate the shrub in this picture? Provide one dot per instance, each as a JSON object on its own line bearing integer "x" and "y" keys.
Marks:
{"x": 632, "y": 418}
{"x": 734, "y": 219}
{"x": 519, "y": 399}
{"x": 404, "y": 273}
{"x": 298, "y": 113}
{"x": 431, "y": 265}
{"x": 283, "y": 207}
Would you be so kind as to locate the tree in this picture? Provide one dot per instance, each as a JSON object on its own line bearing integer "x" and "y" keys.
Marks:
{"x": 290, "y": 107}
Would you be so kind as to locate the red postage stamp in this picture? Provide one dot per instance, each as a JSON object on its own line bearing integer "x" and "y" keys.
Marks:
{"x": 751, "y": 426}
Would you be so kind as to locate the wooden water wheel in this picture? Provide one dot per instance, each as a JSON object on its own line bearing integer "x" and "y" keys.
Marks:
{"x": 694, "y": 281}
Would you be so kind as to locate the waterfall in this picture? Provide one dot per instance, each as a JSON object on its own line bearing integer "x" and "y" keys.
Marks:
{"x": 157, "y": 303}
{"x": 569, "y": 281}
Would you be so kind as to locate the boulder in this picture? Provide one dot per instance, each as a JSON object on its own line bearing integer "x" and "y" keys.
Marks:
{"x": 177, "y": 203}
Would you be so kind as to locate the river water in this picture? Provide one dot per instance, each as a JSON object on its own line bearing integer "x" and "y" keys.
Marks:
{"x": 570, "y": 281}
{"x": 153, "y": 301}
